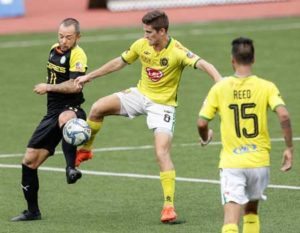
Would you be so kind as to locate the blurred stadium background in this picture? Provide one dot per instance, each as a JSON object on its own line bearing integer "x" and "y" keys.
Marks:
{"x": 36, "y": 16}
{"x": 120, "y": 191}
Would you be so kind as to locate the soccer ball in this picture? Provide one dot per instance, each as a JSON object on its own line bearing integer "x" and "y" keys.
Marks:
{"x": 76, "y": 132}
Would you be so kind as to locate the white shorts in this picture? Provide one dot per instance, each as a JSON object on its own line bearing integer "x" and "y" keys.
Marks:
{"x": 159, "y": 116}
{"x": 241, "y": 185}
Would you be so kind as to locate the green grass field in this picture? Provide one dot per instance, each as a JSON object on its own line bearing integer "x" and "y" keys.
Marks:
{"x": 107, "y": 199}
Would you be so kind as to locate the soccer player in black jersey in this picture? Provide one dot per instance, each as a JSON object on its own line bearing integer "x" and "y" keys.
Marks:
{"x": 66, "y": 62}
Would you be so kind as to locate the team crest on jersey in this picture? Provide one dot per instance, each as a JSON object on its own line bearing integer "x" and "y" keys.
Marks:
{"x": 153, "y": 74}
{"x": 189, "y": 54}
{"x": 164, "y": 62}
{"x": 63, "y": 60}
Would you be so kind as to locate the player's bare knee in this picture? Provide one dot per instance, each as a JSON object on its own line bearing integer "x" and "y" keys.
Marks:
{"x": 31, "y": 163}
{"x": 96, "y": 112}
{"x": 33, "y": 158}
{"x": 163, "y": 157}
{"x": 65, "y": 116}
{"x": 162, "y": 154}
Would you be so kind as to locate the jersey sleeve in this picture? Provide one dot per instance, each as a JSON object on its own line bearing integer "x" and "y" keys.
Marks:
{"x": 210, "y": 105}
{"x": 130, "y": 55}
{"x": 188, "y": 58}
{"x": 275, "y": 98}
{"x": 78, "y": 63}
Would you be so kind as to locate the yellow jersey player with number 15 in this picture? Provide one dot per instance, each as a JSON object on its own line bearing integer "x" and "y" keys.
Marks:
{"x": 242, "y": 101}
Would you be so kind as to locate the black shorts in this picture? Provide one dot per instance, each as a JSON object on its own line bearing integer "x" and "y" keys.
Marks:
{"x": 48, "y": 133}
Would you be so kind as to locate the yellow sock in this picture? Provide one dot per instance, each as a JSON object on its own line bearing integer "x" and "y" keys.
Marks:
{"x": 230, "y": 228}
{"x": 167, "y": 180}
{"x": 251, "y": 223}
{"x": 95, "y": 127}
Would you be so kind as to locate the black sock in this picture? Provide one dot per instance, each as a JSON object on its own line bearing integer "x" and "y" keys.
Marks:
{"x": 70, "y": 153}
{"x": 30, "y": 186}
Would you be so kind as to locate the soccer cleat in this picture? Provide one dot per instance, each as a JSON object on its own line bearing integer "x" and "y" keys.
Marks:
{"x": 168, "y": 214}
{"x": 72, "y": 175}
{"x": 27, "y": 216}
{"x": 83, "y": 155}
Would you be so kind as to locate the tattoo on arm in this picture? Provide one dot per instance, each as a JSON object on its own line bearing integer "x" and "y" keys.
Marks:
{"x": 285, "y": 124}
{"x": 287, "y": 131}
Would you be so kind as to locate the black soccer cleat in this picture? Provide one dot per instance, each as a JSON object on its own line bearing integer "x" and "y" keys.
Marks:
{"x": 72, "y": 175}
{"x": 27, "y": 216}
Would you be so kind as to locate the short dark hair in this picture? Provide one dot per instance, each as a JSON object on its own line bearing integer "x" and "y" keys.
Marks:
{"x": 71, "y": 21}
{"x": 157, "y": 19}
{"x": 243, "y": 50}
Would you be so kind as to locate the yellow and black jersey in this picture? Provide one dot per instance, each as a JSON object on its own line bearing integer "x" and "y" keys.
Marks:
{"x": 161, "y": 70}
{"x": 243, "y": 106}
{"x": 61, "y": 67}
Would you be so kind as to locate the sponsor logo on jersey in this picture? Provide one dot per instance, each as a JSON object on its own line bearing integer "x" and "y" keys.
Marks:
{"x": 56, "y": 68}
{"x": 63, "y": 60}
{"x": 146, "y": 52}
{"x": 248, "y": 148}
{"x": 153, "y": 74}
{"x": 164, "y": 61}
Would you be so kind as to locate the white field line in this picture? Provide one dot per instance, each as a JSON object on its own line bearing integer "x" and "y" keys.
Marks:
{"x": 144, "y": 147}
{"x": 132, "y": 36}
{"x": 141, "y": 176}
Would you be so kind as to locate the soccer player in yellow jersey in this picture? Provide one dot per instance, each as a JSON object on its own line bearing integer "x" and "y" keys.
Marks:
{"x": 163, "y": 59}
{"x": 242, "y": 101}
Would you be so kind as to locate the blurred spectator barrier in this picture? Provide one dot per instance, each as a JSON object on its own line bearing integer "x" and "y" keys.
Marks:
{"x": 127, "y": 5}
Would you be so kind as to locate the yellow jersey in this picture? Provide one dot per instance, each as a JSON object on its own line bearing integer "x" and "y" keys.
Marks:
{"x": 242, "y": 104}
{"x": 161, "y": 70}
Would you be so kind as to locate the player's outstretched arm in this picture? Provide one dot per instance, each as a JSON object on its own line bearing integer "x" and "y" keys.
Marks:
{"x": 111, "y": 66}
{"x": 285, "y": 123}
{"x": 209, "y": 69}
{"x": 66, "y": 87}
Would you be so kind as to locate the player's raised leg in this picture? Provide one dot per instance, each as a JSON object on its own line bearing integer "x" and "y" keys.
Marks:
{"x": 163, "y": 142}
{"x": 109, "y": 105}
{"x": 72, "y": 174}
